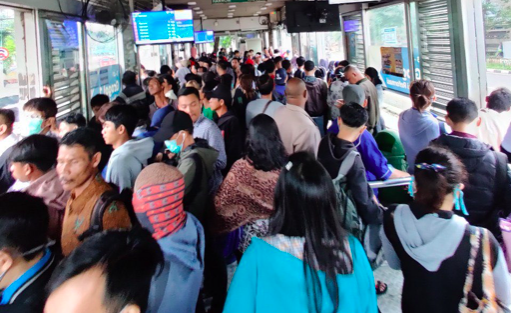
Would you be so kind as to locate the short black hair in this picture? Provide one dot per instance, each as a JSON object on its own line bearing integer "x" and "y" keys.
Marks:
{"x": 277, "y": 59}
{"x": 462, "y": 110}
{"x": 99, "y": 100}
{"x": 189, "y": 91}
{"x": 39, "y": 150}
{"x": 142, "y": 112}
{"x": 236, "y": 51}
{"x": 265, "y": 84}
{"x": 247, "y": 69}
{"x": 125, "y": 115}
{"x": 354, "y": 115}
{"x": 193, "y": 77}
{"x": 75, "y": 118}
{"x": 46, "y": 105}
{"x": 309, "y": 65}
{"x": 269, "y": 66}
{"x": 7, "y": 117}
{"x": 89, "y": 139}
{"x": 300, "y": 61}
{"x": 224, "y": 65}
{"x": 500, "y": 100}
{"x": 128, "y": 260}
{"x": 24, "y": 221}
{"x": 165, "y": 69}
{"x": 129, "y": 78}
{"x": 344, "y": 63}
{"x": 286, "y": 64}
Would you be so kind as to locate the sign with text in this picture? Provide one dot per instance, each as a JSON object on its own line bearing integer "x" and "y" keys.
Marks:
{"x": 396, "y": 68}
{"x": 4, "y": 54}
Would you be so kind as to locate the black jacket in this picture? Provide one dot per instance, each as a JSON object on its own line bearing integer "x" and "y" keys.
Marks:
{"x": 233, "y": 138}
{"x": 485, "y": 194}
{"x": 317, "y": 92}
{"x": 332, "y": 151}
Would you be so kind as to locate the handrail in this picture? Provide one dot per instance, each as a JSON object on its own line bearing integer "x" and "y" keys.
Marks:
{"x": 391, "y": 183}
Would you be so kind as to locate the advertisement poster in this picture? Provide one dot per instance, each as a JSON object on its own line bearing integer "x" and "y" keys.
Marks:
{"x": 106, "y": 80}
{"x": 396, "y": 68}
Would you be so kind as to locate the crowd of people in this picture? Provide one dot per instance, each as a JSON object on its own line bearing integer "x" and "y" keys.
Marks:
{"x": 241, "y": 184}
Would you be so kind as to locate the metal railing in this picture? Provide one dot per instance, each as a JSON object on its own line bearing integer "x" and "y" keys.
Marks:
{"x": 390, "y": 183}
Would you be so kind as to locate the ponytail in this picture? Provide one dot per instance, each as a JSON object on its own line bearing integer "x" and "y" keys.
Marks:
{"x": 422, "y": 93}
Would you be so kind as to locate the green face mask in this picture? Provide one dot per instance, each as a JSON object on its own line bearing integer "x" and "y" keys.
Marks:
{"x": 33, "y": 126}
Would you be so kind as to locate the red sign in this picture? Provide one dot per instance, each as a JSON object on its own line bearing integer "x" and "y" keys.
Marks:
{"x": 4, "y": 54}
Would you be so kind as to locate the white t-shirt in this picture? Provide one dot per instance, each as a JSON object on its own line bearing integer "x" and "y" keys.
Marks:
{"x": 256, "y": 107}
{"x": 494, "y": 126}
{"x": 8, "y": 142}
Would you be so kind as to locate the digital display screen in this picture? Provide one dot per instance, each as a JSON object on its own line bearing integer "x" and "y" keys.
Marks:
{"x": 350, "y": 1}
{"x": 204, "y": 36}
{"x": 161, "y": 27}
{"x": 351, "y": 26}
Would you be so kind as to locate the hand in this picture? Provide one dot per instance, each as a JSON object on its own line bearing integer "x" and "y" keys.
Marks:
{"x": 339, "y": 103}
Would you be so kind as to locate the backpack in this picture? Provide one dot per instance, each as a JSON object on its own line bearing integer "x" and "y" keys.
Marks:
{"x": 129, "y": 100}
{"x": 350, "y": 220}
{"x": 105, "y": 200}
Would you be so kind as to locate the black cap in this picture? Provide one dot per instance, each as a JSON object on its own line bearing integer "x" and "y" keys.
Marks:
{"x": 173, "y": 123}
{"x": 220, "y": 92}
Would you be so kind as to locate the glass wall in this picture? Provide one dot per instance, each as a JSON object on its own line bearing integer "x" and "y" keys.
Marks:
{"x": 103, "y": 59}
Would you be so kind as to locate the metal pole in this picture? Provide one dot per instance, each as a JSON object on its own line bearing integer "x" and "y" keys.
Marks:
{"x": 163, "y": 5}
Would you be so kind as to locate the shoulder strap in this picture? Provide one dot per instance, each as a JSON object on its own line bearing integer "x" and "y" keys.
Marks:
{"x": 475, "y": 243}
{"x": 96, "y": 219}
{"x": 347, "y": 163}
{"x": 266, "y": 106}
{"x": 196, "y": 179}
{"x": 139, "y": 96}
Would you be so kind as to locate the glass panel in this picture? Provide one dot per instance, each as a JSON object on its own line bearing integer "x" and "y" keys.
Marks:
{"x": 354, "y": 36}
{"x": 497, "y": 22}
{"x": 388, "y": 46}
{"x": 103, "y": 58}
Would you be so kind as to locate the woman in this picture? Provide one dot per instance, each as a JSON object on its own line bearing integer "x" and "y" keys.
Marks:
{"x": 242, "y": 96}
{"x": 308, "y": 263}
{"x": 417, "y": 126}
{"x": 245, "y": 198}
{"x": 441, "y": 256}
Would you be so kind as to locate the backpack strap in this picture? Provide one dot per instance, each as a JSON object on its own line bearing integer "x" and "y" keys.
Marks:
{"x": 266, "y": 106}
{"x": 96, "y": 220}
{"x": 196, "y": 179}
{"x": 501, "y": 171}
{"x": 347, "y": 163}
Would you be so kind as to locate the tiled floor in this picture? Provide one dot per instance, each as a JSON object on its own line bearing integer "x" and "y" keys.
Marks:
{"x": 391, "y": 301}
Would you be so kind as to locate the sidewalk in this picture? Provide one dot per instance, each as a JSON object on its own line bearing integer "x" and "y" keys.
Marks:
{"x": 391, "y": 301}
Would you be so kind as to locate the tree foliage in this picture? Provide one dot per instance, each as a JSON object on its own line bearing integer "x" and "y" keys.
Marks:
{"x": 497, "y": 14}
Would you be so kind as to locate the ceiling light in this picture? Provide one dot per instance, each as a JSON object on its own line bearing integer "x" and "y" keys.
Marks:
{"x": 268, "y": 4}
{"x": 196, "y": 9}
{"x": 199, "y": 12}
{"x": 264, "y": 8}
{"x": 256, "y": 14}
{"x": 216, "y": 23}
{"x": 204, "y": 17}
{"x": 192, "y": 3}
{"x": 231, "y": 10}
{"x": 232, "y": 6}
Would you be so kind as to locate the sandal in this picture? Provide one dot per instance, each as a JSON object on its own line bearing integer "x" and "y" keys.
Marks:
{"x": 381, "y": 288}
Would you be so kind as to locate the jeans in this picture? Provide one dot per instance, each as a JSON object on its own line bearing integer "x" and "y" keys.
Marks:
{"x": 320, "y": 122}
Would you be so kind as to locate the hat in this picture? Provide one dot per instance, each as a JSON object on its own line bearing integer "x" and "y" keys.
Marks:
{"x": 354, "y": 93}
{"x": 280, "y": 77}
{"x": 173, "y": 123}
{"x": 220, "y": 92}
{"x": 158, "y": 199}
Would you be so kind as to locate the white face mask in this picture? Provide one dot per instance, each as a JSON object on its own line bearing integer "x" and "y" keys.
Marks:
{"x": 171, "y": 95}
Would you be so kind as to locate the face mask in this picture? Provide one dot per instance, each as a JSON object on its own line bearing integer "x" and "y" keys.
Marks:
{"x": 33, "y": 126}
{"x": 171, "y": 95}
{"x": 173, "y": 147}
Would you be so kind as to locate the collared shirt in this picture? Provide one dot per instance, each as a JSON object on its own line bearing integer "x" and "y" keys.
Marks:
{"x": 208, "y": 130}
{"x": 79, "y": 210}
{"x": 297, "y": 129}
{"x": 463, "y": 135}
{"x": 8, "y": 142}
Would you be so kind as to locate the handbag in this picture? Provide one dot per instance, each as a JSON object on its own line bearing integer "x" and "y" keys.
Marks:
{"x": 470, "y": 303}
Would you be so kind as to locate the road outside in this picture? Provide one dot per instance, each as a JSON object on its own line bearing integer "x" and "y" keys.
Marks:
{"x": 496, "y": 80}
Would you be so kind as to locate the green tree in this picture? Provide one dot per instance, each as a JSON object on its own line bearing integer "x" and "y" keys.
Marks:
{"x": 497, "y": 14}
{"x": 7, "y": 41}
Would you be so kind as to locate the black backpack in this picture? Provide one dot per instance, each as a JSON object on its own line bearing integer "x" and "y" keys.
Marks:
{"x": 105, "y": 200}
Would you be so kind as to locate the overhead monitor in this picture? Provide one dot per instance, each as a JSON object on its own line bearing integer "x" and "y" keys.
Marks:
{"x": 205, "y": 36}
{"x": 161, "y": 27}
{"x": 312, "y": 16}
{"x": 350, "y": 1}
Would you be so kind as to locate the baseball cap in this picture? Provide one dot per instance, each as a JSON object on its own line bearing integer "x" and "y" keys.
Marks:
{"x": 173, "y": 123}
{"x": 220, "y": 93}
{"x": 354, "y": 93}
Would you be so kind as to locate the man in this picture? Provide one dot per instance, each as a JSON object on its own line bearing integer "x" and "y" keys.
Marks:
{"x": 495, "y": 118}
{"x": 110, "y": 272}
{"x": 189, "y": 102}
{"x": 77, "y": 167}
{"x": 182, "y": 274}
{"x": 96, "y": 103}
{"x": 286, "y": 65}
{"x": 132, "y": 91}
{"x": 40, "y": 117}
{"x": 317, "y": 90}
{"x": 355, "y": 77}
{"x": 70, "y": 123}
{"x": 193, "y": 157}
{"x": 280, "y": 76}
{"x": 296, "y": 127}
{"x": 129, "y": 156}
{"x": 332, "y": 151}
{"x": 488, "y": 190}
{"x": 220, "y": 101}
{"x": 300, "y": 73}
{"x": 182, "y": 71}
{"x": 235, "y": 64}
{"x": 33, "y": 163}
{"x": 26, "y": 263}
{"x": 265, "y": 104}
{"x": 222, "y": 69}
{"x": 7, "y": 140}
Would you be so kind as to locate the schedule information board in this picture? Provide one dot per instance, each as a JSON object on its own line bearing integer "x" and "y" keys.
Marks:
{"x": 161, "y": 27}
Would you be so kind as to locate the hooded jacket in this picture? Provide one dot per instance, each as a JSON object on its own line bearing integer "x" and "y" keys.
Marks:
{"x": 198, "y": 181}
{"x": 484, "y": 195}
{"x": 317, "y": 92}
{"x": 176, "y": 289}
{"x": 127, "y": 161}
{"x": 433, "y": 251}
